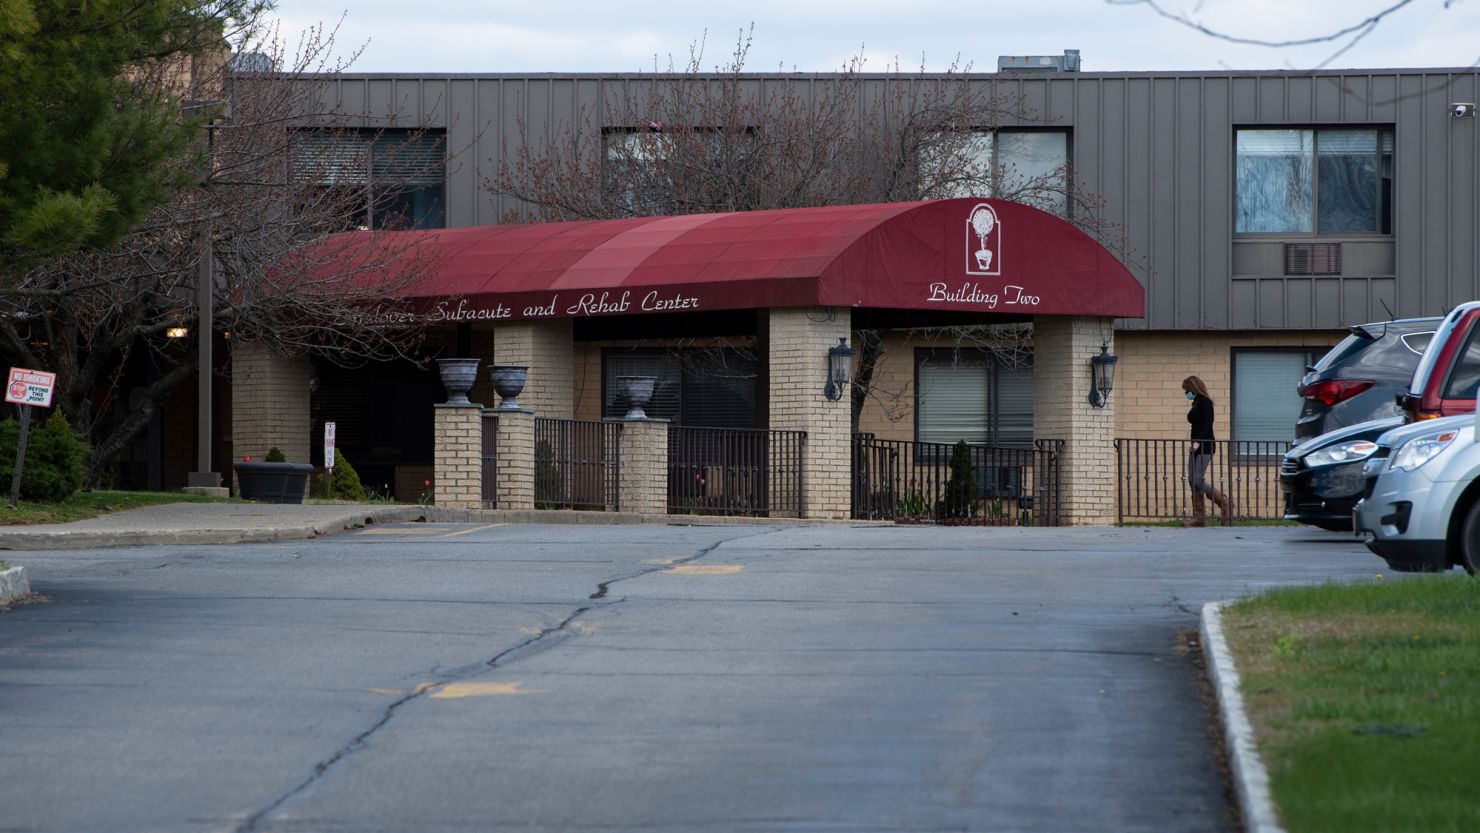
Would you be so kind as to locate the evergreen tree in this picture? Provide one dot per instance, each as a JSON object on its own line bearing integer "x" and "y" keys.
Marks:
{"x": 89, "y": 138}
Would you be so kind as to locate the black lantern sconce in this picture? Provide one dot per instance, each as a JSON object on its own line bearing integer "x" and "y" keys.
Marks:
{"x": 1103, "y": 366}
{"x": 839, "y": 365}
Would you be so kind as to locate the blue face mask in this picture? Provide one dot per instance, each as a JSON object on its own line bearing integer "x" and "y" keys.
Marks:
{"x": 1191, "y": 396}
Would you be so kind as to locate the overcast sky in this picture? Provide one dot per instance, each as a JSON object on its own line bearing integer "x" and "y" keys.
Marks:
{"x": 528, "y": 36}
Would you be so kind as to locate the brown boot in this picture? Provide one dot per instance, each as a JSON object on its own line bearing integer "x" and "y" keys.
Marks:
{"x": 1199, "y": 512}
{"x": 1225, "y": 508}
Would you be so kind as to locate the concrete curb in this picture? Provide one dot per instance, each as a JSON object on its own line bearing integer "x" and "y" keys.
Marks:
{"x": 13, "y": 584}
{"x": 1250, "y": 778}
{"x": 40, "y": 538}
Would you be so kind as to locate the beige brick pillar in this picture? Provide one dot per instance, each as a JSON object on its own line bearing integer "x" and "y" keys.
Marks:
{"x": 269, "y": 403}
{"x": 516, "y": 459}
{"x": 1062, "y": 349}
{"x": 797, "y": 343}
{"x": 548, "y": 348}
{"x": 458, "y": 459}
{"x": 644, "y": 474}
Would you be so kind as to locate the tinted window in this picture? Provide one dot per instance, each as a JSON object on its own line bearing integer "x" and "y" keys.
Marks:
{"x": 1464, "y": 377}
{"x": 1345, "y": 349}
{"x": 1417, "y": 342}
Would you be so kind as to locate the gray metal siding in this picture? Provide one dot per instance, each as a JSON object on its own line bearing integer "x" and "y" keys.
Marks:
{"x": 1157, "y": 147}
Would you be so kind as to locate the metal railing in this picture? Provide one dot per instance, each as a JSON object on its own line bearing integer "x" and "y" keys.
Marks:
{"x": 907, "y": 481}
{"x": 735, "y": 471}
{"x": 1151, "y": 479}
{"x": 490, "y": 460}
{"x": 577, "y": 464}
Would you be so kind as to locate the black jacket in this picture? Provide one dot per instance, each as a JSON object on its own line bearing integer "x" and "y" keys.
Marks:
{"x": 1201, "y": 417}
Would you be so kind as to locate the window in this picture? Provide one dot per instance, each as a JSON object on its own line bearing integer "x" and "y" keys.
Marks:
{"x": 1464, "y": 375}
{"x": 400, "y": 173}
{"x": 641, "y": 163}
{"x": 1314, "y": 181}
{"x": 1265, "y": 404}
{"x": 970, "y": 395}
{"x": 1029, "y": 166}
{"x": 709, "y": 388}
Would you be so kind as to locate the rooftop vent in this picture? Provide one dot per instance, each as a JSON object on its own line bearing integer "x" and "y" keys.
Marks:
{"x": 1067, "y": 62}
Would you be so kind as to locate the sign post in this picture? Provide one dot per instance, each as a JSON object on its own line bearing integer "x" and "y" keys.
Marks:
{"x": 28, "y": 389}
{"x": 329, "y": 431}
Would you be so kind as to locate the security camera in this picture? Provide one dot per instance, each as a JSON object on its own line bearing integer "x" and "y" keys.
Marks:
{"x": 1462, "y": 110}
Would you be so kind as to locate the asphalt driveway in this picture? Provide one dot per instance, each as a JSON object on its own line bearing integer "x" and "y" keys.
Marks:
{"x": 543, "y": 678}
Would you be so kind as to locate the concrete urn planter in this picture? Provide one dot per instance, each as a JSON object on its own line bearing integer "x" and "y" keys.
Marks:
{"x": 638, "y": 391}
{"x": 508, "y": 382}
{"x": 458, "y": 376}
{"x": 272, "y": 482}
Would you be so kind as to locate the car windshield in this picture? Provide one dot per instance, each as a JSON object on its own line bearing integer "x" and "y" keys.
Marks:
{"x": 1347, "y": 347}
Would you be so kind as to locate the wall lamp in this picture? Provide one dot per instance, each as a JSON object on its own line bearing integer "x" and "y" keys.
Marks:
{"x": 839, "y": 365}
{"x": 1103, "y": 367}
{"x": 177, "y": 332}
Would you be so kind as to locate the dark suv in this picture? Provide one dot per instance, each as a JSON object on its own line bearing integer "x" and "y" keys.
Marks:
{"x": 1360, "y": 378}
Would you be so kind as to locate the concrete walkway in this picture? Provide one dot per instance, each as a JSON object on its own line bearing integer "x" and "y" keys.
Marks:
{"x": 204, "y": 523}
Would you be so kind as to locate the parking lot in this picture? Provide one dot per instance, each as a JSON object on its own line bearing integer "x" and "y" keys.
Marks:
{"x": 531, "y": 677}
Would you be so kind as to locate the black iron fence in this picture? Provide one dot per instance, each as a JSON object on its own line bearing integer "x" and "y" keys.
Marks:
{"x": 734, "y": 471}
{"x": 577, "y": 464}
{"x": 908, "y": 481}
{"x": 490, "y": 460}
{"x": 1151, "y": 479}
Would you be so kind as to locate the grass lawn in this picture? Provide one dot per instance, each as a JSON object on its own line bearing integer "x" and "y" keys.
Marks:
{"x": 85, "y": 505}
{"x": 1366, "y": 701}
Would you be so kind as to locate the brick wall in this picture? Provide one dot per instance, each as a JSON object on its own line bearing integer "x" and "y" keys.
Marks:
{"x": 547, "y": 348}
{"x": 269, "y": 403}
{"x": 644, "y": 485}
{"x": 516, "y": 459}
{"x": 458, "y": 462}
{"x": 797, "y": 342}
{"x": 1148, "y": 382}
{"x": 1061, "y": 410}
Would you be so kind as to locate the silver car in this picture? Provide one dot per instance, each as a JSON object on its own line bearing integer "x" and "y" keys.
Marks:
{"x": 1419, "y": 509}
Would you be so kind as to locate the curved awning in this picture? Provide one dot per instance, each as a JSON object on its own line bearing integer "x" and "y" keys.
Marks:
{"x": 970, "y": 255}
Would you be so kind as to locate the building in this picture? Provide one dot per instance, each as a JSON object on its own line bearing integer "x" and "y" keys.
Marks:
{"x": 1265, "y": 210}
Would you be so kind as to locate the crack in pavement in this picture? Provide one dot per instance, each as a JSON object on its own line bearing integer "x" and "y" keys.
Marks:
{"x": 546, "y": 639}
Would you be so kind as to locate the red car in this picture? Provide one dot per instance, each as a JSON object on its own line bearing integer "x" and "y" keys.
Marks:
{"x": 1446, "y": 378}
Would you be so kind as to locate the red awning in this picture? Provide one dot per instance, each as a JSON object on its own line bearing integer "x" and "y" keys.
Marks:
{"x": 962, "y": 255}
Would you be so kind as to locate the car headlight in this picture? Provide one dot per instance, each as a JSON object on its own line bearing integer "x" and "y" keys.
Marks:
{"x": 1348, "y": 452}
{"x": 1422, "y": 449}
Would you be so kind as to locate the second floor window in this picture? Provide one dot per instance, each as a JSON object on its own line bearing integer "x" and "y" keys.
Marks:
{"x": 1337, "y": 181}
{"x": 388, "y": 179}
{"x": 1028, "y": 166}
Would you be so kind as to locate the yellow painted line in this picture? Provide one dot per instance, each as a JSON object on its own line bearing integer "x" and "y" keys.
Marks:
{"x": 389, "y": 692}
{"x": 706, "y": 569}
{"x": 406, "y": 530}
{"x": 664, "y": 561}
{"x": 457, "y": 691}
{"x": 471, "y": 531}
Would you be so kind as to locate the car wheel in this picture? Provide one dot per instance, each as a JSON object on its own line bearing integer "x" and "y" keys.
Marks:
{"x": 1469, "y": 540}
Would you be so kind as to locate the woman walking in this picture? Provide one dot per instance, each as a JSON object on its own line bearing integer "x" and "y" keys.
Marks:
{"x": 1200, "y": 457}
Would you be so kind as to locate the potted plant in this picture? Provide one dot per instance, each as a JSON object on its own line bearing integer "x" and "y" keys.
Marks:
{"x": 273, "y": 480}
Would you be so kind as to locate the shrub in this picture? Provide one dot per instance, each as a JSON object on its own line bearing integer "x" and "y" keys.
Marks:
{"x": 960, "y": 485}
{"x": 275, "y": 455}
{"x": 547, "y": 480}
{"x": 54, "y": 459}
{"x": 345, "y": 483}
